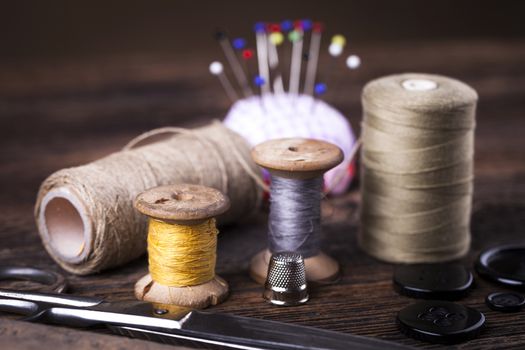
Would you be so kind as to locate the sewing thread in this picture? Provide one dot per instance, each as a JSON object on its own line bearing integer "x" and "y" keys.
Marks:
{"x": 295, "y": 215}
{"x": 182, "y": 255}
{"x": 417, "y": 168}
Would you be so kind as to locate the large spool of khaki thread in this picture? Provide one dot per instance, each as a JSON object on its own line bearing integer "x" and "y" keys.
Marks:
{"x": 417, "y": 168}
{"x": 85, "y": 214}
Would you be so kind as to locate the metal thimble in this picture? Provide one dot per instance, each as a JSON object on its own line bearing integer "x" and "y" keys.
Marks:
{"x": 286, "y": 281}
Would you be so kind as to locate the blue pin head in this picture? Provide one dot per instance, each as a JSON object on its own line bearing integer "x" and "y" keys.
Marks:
{"x": 239, "y": 43}
{"x": 307, "y": 24}
{"x": 259, "y": 27}
{"x": 320, "y": 88}
{"x": 259, "y": 81}
{"x": 286, "y": 25}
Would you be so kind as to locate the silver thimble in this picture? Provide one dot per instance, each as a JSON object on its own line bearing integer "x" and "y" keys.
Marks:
{"x": 286, "y": 281}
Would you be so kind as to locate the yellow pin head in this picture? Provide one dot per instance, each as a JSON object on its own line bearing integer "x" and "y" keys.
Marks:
{"x": 339, "y": 39}
{"x": 276, "y": 38}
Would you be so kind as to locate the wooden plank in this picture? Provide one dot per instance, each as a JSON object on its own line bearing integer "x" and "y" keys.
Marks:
{"x": 56, "y": 115}
{"x": 32, "y": 336}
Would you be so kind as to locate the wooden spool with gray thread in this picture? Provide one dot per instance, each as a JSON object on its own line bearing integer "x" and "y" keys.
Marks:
{"x": 298, "y": 158}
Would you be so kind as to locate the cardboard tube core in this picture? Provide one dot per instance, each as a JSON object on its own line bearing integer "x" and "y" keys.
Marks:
{"x": 64, "y": 226}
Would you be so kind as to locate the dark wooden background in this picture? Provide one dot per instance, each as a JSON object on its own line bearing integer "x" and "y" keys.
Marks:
{"x": 78, "y": 81}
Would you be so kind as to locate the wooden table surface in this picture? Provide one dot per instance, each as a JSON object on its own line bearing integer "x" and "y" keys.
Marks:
{"x": 56, "y": 114}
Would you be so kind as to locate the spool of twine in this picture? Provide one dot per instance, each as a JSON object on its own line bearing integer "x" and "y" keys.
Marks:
{"x": 417, "y": 168}
{"x": 85, "y": 214}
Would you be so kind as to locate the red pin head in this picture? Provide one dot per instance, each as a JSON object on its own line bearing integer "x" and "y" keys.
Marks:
{"x": 318, "y": 27}
{"x": 247, "y": 54}
{"x": 274, "y": 27}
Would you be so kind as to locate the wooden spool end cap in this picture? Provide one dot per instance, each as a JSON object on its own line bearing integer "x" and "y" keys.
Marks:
{"x": 182, "y": 203}
{"x": 200, "y": 296}
{"x": 297, "y": 157}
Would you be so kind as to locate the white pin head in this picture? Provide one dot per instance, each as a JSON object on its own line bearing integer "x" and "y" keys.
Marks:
{"x": 216, "y": 68}
{"x": 353, "y": 61}
{"x": 335, "y": 50}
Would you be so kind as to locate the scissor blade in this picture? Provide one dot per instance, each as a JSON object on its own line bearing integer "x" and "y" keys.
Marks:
{"x": 178, "y": 338}
{"x": 51, "y": 298}
{"x": 236, "y": 332}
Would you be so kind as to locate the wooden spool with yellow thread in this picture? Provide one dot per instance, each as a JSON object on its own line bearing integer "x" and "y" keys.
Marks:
{"x": 182, "y": 244}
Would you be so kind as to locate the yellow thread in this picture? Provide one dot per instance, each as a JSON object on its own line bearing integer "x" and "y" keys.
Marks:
{"x": 181, "y": 255}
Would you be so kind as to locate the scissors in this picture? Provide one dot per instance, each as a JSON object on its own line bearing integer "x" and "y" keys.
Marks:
{"x": 178, "y": 325}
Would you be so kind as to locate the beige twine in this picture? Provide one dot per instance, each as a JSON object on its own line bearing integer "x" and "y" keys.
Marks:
{"x": 213, "y": 156}
{"x": 417, "y": 169}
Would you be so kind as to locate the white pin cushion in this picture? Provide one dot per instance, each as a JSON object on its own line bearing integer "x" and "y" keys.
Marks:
{"x": 259, "y": 119}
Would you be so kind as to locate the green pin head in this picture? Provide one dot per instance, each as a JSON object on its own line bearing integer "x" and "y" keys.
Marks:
{"x": 294, "y": 36}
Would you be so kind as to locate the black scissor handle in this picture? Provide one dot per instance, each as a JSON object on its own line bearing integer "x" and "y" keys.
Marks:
{"x": 35, "y": 306}
{"x": 51, "y": 281}
{"x": 51, "y": 299}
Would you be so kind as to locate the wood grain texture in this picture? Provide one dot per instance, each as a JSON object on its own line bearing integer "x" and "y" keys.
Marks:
{"x": 297, "y": 155}
{"x": 59, "y": 114}
{"x": 182, "y": 202}
{"x": 29, "y": 336}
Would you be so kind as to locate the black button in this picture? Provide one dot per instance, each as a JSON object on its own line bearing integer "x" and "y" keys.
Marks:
{"x": 448, "y": 281}
{"x": 504, "y": 264}
{"x": 441, "y": 322}
{"x": 505, "y": 302}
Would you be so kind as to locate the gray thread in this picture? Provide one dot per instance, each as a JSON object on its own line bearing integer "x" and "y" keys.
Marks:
{"x": 295, "y": 215}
